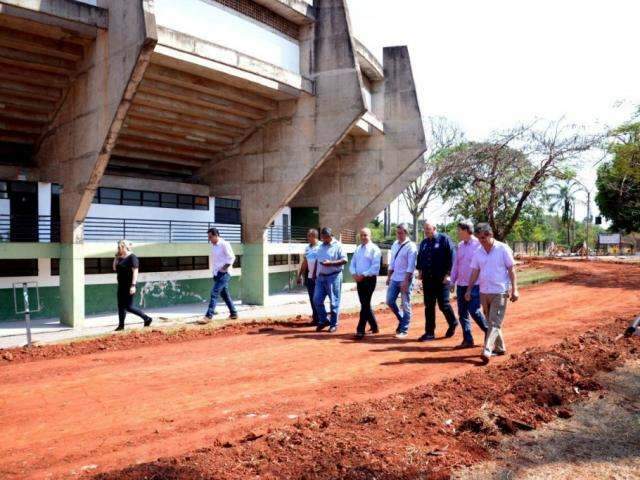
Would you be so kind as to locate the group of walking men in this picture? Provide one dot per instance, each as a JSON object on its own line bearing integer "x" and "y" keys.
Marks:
{"x": 481, "y": 271}
{"x": 481, "y": 268}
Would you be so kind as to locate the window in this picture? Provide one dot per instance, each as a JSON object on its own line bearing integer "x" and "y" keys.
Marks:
{"x": 227, "y": 210}
{"x": 117, "y": 196}
{"x": 97, "y": 266}
{"x": 185, "y": 202}
{"x": 151, "y": 199}
{"x": 4, "y": 190}
{"x": 19, "y": 268}
{"x": 238, "y": 262}
{"x": 169, "y": 200}
{"x": 295, "y": 259}
{"x": 278, "y": 260}
{"x": 132, "y": 197}
{"x": 110, "y": 196}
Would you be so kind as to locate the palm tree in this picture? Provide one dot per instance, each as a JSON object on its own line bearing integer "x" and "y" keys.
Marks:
{"x": 561, "y": 198}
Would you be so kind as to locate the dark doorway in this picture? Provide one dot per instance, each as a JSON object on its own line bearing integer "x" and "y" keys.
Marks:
{"x": 55, "y": 213}
{"x": 23, "y": 201}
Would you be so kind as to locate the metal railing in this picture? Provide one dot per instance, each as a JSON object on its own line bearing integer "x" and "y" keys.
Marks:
{"x": 286, "y": 234}
{"x": 98, "y": 229}
{"x": 29, "y": 228}
{"x": 292, "y": 234}
{"x": 45, "y": 229}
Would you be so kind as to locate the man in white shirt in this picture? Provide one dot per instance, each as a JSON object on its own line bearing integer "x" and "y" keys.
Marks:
{"x": 222, "y": 260}
{"x": 307, "y": 271}
{"x": 493, "y": 264}
{"x": 400, "y": 278}
{"x": 365, "y": 267}
{"x": 330, "y": 261}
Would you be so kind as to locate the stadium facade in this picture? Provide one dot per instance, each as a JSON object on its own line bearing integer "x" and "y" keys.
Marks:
{"x": 154, "y": 120}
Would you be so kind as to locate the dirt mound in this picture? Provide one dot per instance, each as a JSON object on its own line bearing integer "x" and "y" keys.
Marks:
{"x": 423, "y": 433}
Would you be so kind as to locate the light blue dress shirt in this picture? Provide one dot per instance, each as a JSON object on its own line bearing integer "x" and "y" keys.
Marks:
{"x": 366, "y": 260}
{"x": 332, "y": 252}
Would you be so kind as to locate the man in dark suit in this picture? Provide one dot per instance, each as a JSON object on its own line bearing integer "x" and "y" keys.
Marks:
{"x": 435, "y": 260}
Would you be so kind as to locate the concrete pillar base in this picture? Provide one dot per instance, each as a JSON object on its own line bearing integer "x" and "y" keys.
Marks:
{"x": 72, "y": 285}
{"x": 255, "y": 274}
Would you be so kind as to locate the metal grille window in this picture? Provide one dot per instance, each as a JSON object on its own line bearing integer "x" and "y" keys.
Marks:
{"x": 262, "y": 14}
{"x": 139, "y": 198}
{"x": 19, "y": 268}
{"x": 295, "y": 259}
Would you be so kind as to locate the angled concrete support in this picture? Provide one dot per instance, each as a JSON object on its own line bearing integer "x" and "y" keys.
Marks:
{"x": 274, "y": 162}
{"x": 75, "y": 149}
{"x": 367, "y": 172}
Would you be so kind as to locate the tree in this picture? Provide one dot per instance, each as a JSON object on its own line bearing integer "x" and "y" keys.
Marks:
{"x": 444, "y": 138}
{"x": 562, "y": 197}
{"x": 498, "y": 180}
{"x": 618, "y": 181}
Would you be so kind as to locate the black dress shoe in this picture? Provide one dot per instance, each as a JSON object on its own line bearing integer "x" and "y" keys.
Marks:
{"x": 148, "y": 321}
{"x": 233, "y": 316}
{"x": 359, "y": 336}
{"x": 450, "y": 331}
{"x": 466, "y": 345}
{"x": 374, "y": 331}
{"x": 498, "y": 353}
{"x": 321, "y": 327}
{"x": 119, "y": 328}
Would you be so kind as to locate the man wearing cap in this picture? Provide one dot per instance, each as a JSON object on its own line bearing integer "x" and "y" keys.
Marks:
{"x": 365, "y": 267}
{"x": 330, "y": 260}
{"x": 435, "y": 260}
{"x": 400, "y": 278}
{"x": 460, "y": 274}
{"x": 493, "y": 264}
{"x": 222, "y": 260}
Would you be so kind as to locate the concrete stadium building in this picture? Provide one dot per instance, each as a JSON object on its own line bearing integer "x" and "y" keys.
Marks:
{"x": 154, "y": 120}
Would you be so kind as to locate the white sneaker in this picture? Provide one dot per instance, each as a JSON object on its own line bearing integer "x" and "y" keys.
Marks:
{"x": 204, "y": 321}
{"x": 402, "y": 335}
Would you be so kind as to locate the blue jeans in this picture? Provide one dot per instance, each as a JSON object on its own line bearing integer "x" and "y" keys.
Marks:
{"x": 328, "y": 285}
{"x": 220, "y": 289}
{"x": 473, "y": 307}
{"x": 311, "y": 287}
{"x": 392, "y": 296}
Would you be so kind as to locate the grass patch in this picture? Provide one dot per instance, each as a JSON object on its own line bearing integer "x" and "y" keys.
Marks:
{"x": 532, "y": 276}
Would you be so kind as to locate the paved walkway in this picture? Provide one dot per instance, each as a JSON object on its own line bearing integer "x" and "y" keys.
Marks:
{"x": 13, "y": 334}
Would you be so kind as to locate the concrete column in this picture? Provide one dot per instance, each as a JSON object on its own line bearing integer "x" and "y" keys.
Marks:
{"x": 75, "y": 148}
{"x": 72, "y": 301}
{"x": 255, "y": 274}
{"x": 365, "y": 173}
{"x": 274, "y": 162}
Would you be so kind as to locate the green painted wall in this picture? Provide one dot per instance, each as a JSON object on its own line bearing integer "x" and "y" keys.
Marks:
{"x": 102, "y": 298}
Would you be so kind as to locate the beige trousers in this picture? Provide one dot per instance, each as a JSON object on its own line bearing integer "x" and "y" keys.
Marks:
{"x": 494, "y": 306}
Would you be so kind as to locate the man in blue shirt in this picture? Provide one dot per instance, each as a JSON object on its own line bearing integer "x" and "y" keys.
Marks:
{"x": 365, "y": 267}
{"x": 330, "y": 262}
{"x": 435, "y": 260}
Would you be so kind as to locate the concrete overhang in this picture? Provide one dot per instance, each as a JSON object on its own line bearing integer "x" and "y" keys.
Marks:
{"x": 246, "y": 71}
{"x": 369, "y": 64}
{"x": 76, "y": 17}
{"x": 299, "y": 12}
{"x": 367, "y": 126}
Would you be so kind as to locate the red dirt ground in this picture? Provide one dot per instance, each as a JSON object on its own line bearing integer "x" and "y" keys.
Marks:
{"x": 95, "y": 412}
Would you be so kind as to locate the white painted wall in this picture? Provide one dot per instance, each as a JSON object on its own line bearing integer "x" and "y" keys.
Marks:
{"x": 153, "y": 213}
{"x": 225, "y": 27}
